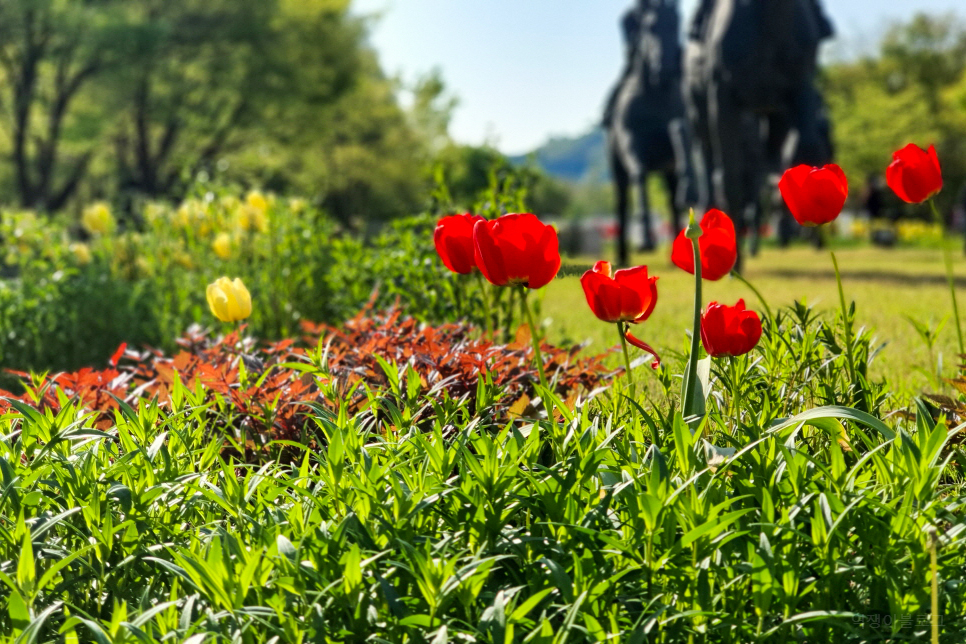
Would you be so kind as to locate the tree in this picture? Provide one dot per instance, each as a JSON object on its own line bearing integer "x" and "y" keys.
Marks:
{"x": 911, "y": 92}
{"x": 211, "y": 76}
{"x": 49, "y": 50}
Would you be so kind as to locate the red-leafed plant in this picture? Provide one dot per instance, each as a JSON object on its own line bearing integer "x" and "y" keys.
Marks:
{"x": 267, "y": 392}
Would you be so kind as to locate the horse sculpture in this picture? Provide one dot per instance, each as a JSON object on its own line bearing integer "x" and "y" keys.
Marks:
{"x": 750, "y": 82}
{"x": 645, "y": 118}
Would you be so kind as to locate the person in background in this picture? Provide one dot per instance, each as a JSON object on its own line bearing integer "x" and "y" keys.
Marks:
{"x": 872, "y": 197}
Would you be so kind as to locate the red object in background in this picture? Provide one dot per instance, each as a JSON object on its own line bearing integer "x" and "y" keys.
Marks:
{"x": 609, "y": 231}
{"x": 627, "y": 296}
{"x": 517, "y": 249}
{"x": 718, "y": 245}
{"x": 454, "y": 242}
{"x": 118, "y": 354}
{"x": 914, "y": 174}
{"x": 815, "y": 196}
{"x": 729, "y": 330}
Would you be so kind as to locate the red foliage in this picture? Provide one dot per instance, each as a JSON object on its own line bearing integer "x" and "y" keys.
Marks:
{"x": 271, "y": 399}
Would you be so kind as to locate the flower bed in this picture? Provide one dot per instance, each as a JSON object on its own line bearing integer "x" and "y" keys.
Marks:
{"x": 266, "y": 392}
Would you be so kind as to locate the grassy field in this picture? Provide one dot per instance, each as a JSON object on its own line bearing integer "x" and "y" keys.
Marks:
{"x": 887, "y": 285}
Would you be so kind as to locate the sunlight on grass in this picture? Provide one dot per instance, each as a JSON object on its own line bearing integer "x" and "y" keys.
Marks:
{"x": 886, "y": 284}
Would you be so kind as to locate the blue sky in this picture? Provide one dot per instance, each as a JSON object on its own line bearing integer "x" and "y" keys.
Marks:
{"x": 526, "y": 70}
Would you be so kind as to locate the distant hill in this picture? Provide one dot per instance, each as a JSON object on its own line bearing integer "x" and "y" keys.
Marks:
{"x": 580, "y": 159}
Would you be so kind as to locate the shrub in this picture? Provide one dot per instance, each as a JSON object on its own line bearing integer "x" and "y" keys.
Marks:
{"x": 376, "y": 364}
{"x": 65, "y": 304}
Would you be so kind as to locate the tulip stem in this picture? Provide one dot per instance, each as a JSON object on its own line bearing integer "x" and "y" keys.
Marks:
{"x": 691, "y": 377}
{"x": 741, "y": 279}
{"x": 933, "y": 538}
{"x": 950, "y": 279}
{"x": 534, "y": 337}
{"x": 486, "y": 302}
{"x": 846, "y": 321}
{"x": 735, "y": 410}
{"x": 508, "y": 329}
{"x": 622, "y": 331}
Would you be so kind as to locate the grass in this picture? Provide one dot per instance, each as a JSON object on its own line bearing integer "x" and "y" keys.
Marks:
{"x": 887, "y": 286}
{"x": 785, "y": 511}
{"x": 593, "y": 527}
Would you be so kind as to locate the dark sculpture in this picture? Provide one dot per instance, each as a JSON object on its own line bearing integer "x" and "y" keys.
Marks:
{"x": 645, "y": 118}
{"x": 750, "y": 74}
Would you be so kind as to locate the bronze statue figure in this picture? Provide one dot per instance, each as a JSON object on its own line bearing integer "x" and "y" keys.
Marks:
{"x": 645, "y": 118}
{"x": 750, "y": 74}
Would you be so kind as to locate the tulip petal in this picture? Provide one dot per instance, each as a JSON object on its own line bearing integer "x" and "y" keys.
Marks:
{"x": 914, "y": 174}
{"x": 517, "y": 249}
{"x": 638, "y": 293}
{"x": 603, "y": 267}
{"x": 547, "y": 263}
{"x": 489, "y": 257}
{"x": 453, "y": 238}
{"x": 894, "y": 173}
{"x": 603, "y": 296}
{"x": 640, "y": 344}
{"x": 217, "y": 302}
{"x": 718, "y": 245}
{"x": 243, "y": 299}
{"x": 729, "y": 330}
{"x": 682, "y": 253}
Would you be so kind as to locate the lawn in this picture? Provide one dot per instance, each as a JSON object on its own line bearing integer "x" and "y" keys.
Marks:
{"x": 887, "y": 285}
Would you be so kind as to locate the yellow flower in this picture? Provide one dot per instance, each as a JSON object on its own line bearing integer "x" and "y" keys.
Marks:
{"x": 154, "y": 212}
{"x": 97, "y": 219}
{"x": 229, "y": 300}
{"x": 81, "y": 252}
{"x": 257, "y": 200}
{"x": 142, "y": 267}
{"x": 297, "y": 205}
{"x": 222, "y": 245}
{"x": 250, "y": 219}
{"x": 183, "y": 259}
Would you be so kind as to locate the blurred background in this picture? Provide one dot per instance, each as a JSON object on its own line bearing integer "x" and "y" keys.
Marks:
{"x": 354, "y": 105}
{"x": 150, "y": 146}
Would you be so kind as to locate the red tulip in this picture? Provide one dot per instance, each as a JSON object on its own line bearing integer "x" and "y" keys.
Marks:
{"x": 628, "y": 296}
{"x": 718, "y": 245}
{"x": 729, "y": 330}
{"x": 516, "y": 249}
{"x": 454, "y": 242}
{"x": 814, "y": 195}
{"x": 914, "y": 173}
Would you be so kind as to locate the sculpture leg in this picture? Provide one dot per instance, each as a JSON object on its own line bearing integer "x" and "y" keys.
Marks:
{"x": 643, "y": 203}
{"x": 621, "y": 185}
{"x": 674, "y": 188}
{"x": 685, "y": 191}
{"x": 730, "y": 129}
{"x": 786, "y": 226}
{"x": 699, "y": 148}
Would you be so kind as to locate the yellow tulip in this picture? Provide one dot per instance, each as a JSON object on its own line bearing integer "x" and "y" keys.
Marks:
{"x": 222, "y": 245}
{"x": 257, "y": 200}
{"x": 97, "y": 219}
{"x": 81, "y": 252}
{"x": 251, "y": 219}
{"x": 229, "y": 300}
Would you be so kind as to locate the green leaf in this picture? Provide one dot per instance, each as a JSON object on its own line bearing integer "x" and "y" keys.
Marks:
{"x": 26, "y": 574}
{"x": 835, "y": 412}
